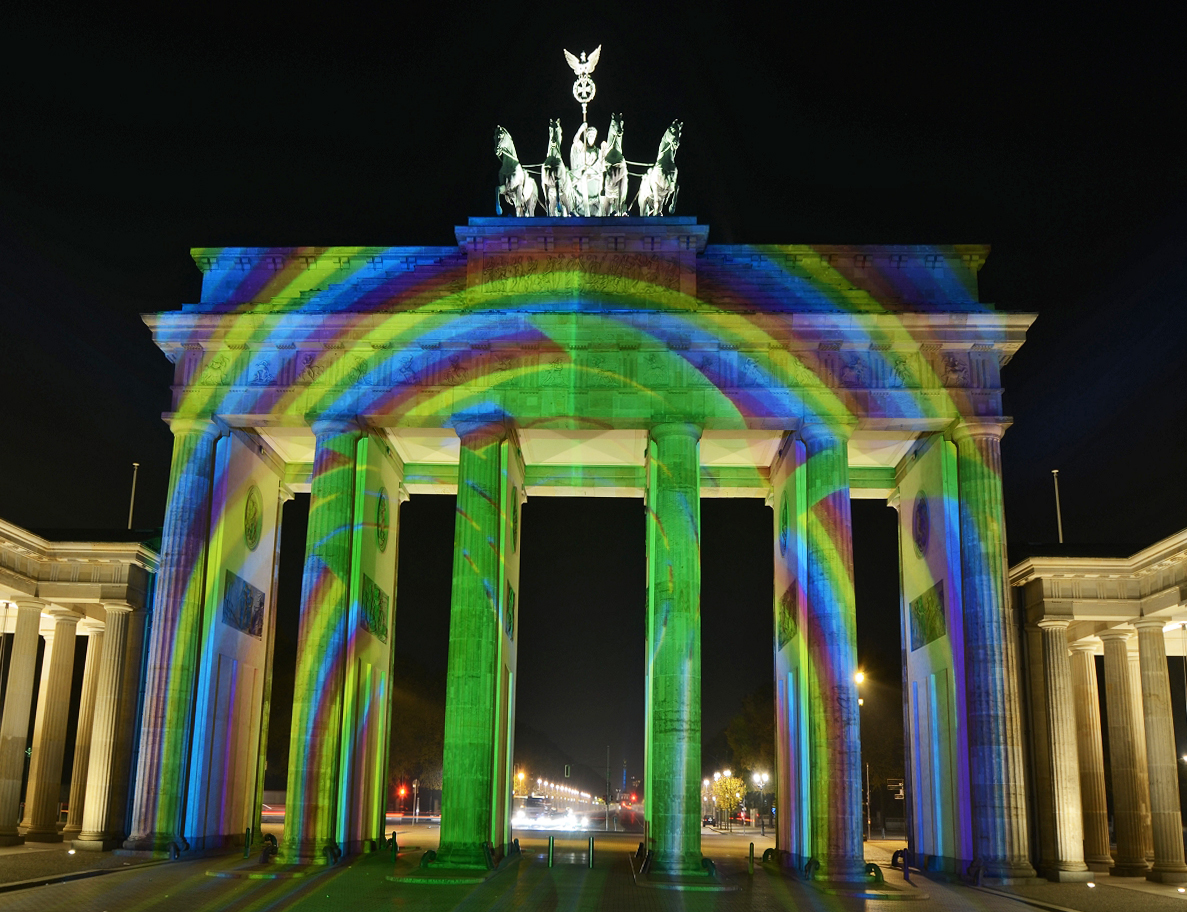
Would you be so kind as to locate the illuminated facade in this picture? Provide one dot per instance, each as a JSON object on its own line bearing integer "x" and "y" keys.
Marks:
{"x": 620, "y": 357}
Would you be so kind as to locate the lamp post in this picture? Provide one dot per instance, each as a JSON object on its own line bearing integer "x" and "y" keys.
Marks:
{"x": 859, "y": 679}
{"x": 760, "y": 782}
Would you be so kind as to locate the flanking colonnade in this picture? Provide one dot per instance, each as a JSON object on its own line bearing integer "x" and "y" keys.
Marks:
{"x": 1131, "y": 611}
{"x": 59, "y": 592}
{"x": 674, "y": 370}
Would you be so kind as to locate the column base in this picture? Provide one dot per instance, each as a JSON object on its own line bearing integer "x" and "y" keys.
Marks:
{"x": 319, "y": 852}
{"x": 1010, "y": 872}
{"x": 43, "y": 836}
{"x": 1056, "y": 875}
{"x": 11, "y": 839}
{"x": 1099, "y": 865}
{"x": 95, "y": 843}
{"x": 690, "y": 864}
{"x": 842, "y": 870}
{"x": 70, "y": 833}
{"x": 467, "y": 856}
{"x": 1129, "y": 869}
{"x": 1168, "y": 875}
{"x": 155, "y": 843}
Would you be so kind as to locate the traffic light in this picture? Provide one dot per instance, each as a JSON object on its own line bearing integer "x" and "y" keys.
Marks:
{"x": 403, "y": 791}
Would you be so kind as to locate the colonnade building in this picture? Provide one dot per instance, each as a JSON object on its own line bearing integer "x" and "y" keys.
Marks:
{"x": 617, "y": 357}
{"x": 70, "y": 595}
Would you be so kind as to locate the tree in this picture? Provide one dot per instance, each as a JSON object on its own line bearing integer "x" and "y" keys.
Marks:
{"x": 728, "y": 790}
{"x": 751, "y": 733}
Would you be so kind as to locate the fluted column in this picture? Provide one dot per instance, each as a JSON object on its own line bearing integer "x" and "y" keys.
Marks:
{"x": 99, "y": 831}
{"x": 49, "y": 731}
{"x": 471, "y": 686}
{"x": 174, "y": 650}
{"x": 312, "y": 795}
{"x": 1127, "y": 819}
{"x": 14, "y": 729}
{"x": 674, "y": 650}
{"x": 1094, "y": 809}
{"x": 82, "y": 739}
{"x": 1139, "y": 746}
{"x": 1000, "y": 834}
{"x": 1161, "y": 756}
{"x": 831, "y": 618}
{"x": 1067, "y": 824}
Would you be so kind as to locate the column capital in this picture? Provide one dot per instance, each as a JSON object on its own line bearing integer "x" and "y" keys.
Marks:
{"x": 675, "y": 429}
{"x": 838, "y": 429}
{"x": 327, "y": 425}
{"x": 61, "y": 615}
{"x": 474, "y": 426}
{"x": 1115, "y": 633}
{"x": 180, "y": 425}
{"x": 1081, "y": 646}
{"x": 1054, "y": 623}
{"x": 90, "y": 625}
{"x": 1148, "y": 623}
{"x": 970, "y": 427}
{"x": 118, "y": 608}
{"x": 29, "y": 603}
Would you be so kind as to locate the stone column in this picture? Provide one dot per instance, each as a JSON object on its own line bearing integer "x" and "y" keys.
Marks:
{"x": 1139, "y": 745}
{"x": 99, "y": 831}
{"x": 14, "y": 730}
{"x": 312, "y": 793}
{"x": 996, "y": 767}
{"x": 1094, "y": 809}
{"x": 1067, "y": 823}
{"x": 674, "y": 653}
{"x": 831, "y": 618}
{"x": 82, "y": 740}
{"x": 1127, "y": 819}
{"x": 125, "y": 727}
{"x": 43, "y": 794}
{"x": 174, "y": 649}
{"x": 471, "y": 686}
{"x": 1161, "y": 756}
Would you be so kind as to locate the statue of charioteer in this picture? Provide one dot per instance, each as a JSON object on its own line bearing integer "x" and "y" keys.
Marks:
{"x": 596, "y": 180}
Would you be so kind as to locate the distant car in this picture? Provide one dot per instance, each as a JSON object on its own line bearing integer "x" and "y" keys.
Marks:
{"x": 708, "y": 821}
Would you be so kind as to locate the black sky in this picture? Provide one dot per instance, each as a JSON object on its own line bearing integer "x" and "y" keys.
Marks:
{"x": 1057, "y": 138}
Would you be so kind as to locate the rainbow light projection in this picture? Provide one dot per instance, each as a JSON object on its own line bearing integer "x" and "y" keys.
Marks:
{"x": 579, "y": 326}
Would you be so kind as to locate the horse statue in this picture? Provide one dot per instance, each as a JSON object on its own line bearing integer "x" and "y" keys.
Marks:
{"x": 555, "y": 180}
{"x": 516, "y": 186}
{"x": 614, "y": 178}
{"x": 658, "y": 190}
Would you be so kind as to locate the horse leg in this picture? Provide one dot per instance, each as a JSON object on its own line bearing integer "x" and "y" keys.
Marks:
{"x": 499, "y": 192}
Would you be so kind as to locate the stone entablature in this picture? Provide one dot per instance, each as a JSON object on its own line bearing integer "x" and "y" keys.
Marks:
{"x": 81, "y": 576}
{"x": 1097, "y": 594}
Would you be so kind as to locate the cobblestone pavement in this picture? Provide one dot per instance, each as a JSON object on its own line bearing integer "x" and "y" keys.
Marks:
{"x": 530, "y": 885}
{"x": 38, "y": 860}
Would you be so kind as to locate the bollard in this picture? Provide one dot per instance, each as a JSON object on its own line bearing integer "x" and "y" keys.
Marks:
{"x": 247, "y": 843}
{"x": 551, "y": 843}
{"x": 591, "y": 851}
{"x": 395, "y": 846}
{"x": 752, "y": 858}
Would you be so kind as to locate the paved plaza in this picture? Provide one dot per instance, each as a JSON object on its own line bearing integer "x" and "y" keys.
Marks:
{"x": 224, "y": 883}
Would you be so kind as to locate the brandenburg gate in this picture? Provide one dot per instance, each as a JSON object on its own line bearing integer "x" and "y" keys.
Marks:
{"x": 596, "y": 356}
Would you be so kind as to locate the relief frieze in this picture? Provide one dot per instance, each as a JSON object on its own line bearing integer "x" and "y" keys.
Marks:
{"x": 594, "y": 273}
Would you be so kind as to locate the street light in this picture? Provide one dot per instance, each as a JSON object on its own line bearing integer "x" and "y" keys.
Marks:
{"x": 760, "y": 781}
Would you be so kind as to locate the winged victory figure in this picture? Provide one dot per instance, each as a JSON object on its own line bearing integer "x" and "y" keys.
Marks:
{"x": 583, "y": 67}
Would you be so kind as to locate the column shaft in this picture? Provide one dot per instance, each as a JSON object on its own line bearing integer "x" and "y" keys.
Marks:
{"x": 1067, "y": 823}
{"x": 98, "y": 829}
{"x": 174, "y": 650}
{"x": 14, "y": 729}
{"x": 996, "y": 768}
{"x": 1127, "y": 820}
{"x": 471, "y": 688}
{"x": 49, "y": 733}
{"x": 674, "y": 651}
{"x": 831, "y": 618}
{"x": 311, "y": 798}
{"x": 1094, "y": 809}
{"x": 1139, "y": 746}
{"x": 82, "y": 740}
{"x": 1161, "y": 756}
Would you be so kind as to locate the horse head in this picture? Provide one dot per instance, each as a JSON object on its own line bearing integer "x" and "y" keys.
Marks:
{"x": 503, "y": 144}
{"x": 671, "y": 141}
{"x": 555, "y": 137}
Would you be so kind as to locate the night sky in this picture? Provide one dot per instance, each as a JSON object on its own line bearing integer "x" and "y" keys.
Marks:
{"x": 126, "y": 141}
